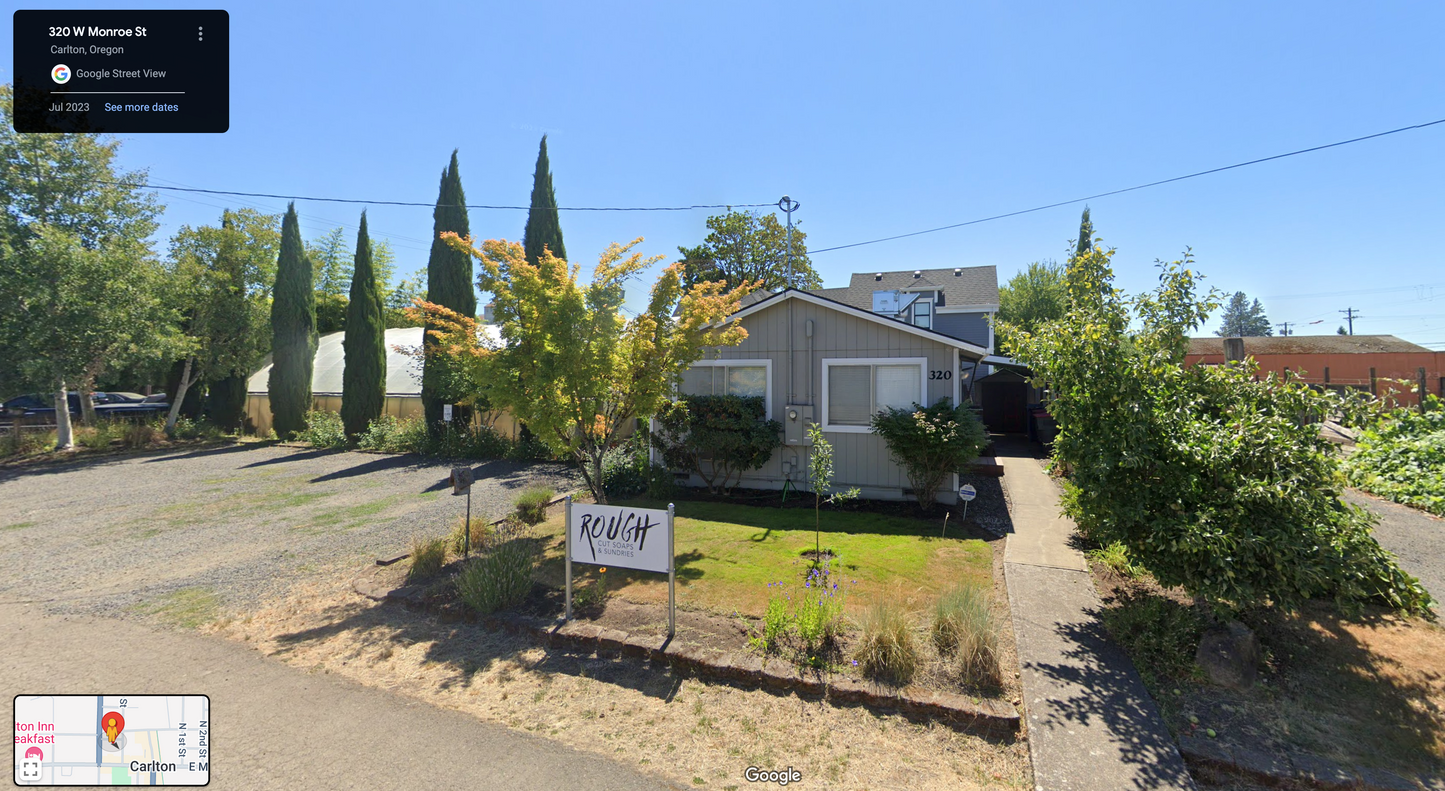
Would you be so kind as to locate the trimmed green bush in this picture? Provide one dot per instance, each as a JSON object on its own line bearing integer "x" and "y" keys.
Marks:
{"x": 1401, "y": 457}
{"x": 887, "y": 649}
{"x": 323, "y": 430}
{"x": 931, "y": 443}
{"x": 717, "y": 437}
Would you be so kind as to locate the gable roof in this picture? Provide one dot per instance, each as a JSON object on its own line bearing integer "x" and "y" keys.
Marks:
{"x": 972, "y": 350}
{"x": 972, "y": 286}
{"x": 1311, "y": 344}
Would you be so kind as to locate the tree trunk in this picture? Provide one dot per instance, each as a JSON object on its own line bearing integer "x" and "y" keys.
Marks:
{"x": 178, "y": 397}
{"x": 64, "y": 439}
{"x": 87, "y": 405}
{"x": 598, "y": 491}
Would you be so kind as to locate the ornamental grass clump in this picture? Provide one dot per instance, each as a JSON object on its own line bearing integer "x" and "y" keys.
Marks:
{"x": 887, "y": 650}
{"x": 963, "y": 631}
{"x": 501, "y": 576}
{"x": 532, "y": 505}
{"x": 428, "y": 555}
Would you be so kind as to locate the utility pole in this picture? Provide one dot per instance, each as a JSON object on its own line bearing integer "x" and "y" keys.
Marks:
{"x": 789, "y": 205}
{"x": 1284, "y": 327}
{"x": 1350, "y": 316}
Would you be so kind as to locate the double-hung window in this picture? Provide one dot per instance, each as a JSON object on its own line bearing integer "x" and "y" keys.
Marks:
{"x": 730, "y": 377}
{"x": 856, "y": 389}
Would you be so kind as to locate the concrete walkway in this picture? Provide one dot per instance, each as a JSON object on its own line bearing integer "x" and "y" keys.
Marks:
{"x": 1092, "y": 725}
{"x": 277, "y": 727}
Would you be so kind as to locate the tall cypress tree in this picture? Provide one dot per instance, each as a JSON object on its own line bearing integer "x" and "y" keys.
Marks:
{"x": 450, "y": 284}
{"x": 1086, "y": 234}
{"x": 544, "y": 225}
{"x": 293, "y": 332}
{"x": 363, "y": 379}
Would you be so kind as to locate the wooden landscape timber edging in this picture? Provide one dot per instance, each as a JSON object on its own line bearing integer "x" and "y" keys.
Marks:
{"x": 738, "y": 668}
{"x": 1296, "y": 767}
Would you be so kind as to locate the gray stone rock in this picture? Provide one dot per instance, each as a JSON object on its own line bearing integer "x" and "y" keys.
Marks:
{"x": 1229, "y": 655}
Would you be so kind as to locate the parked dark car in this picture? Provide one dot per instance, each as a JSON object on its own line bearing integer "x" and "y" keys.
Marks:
{"x": 38, "y": 408}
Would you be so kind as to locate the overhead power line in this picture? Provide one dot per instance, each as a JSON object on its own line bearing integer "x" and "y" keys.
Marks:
{"x": 433, "y": 204}
{"x": 1130, "y": 189}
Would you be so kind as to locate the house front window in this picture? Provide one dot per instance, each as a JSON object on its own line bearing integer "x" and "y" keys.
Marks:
{"x": 856, "y": 389}
{"x": 729, "y": 377}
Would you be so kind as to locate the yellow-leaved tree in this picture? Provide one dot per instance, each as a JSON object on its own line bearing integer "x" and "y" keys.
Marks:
{"x": 569, "y": 365}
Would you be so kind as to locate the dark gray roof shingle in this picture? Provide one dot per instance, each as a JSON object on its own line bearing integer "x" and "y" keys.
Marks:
{"x": 969, "y": 285}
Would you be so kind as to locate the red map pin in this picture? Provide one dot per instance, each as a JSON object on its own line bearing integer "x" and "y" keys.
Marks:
{"x": 112, "y": 723}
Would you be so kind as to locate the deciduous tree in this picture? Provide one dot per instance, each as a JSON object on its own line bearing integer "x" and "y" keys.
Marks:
{"x": 747, "y": 247}
{"x": 569, "y": 365}
{"x": 77, "y": 271}
{"x": 1030, "y": 299}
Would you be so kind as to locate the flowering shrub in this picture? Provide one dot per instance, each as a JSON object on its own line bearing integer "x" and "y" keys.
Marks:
{"x": 931, "y": 443}
{"x": 816, "y": 620}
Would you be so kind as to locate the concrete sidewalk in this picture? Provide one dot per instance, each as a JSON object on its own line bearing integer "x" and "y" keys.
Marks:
{"x": 1092, "y": 725}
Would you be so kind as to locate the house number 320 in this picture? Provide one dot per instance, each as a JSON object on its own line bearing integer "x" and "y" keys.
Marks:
{"x": 944, "y": 374}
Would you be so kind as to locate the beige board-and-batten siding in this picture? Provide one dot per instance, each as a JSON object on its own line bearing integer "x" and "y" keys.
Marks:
{"x": 258, "y": 411}
{"x": 860, "y": 458}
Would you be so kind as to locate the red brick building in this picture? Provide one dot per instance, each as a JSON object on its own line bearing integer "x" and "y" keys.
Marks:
{"x": 1360, "y": 361}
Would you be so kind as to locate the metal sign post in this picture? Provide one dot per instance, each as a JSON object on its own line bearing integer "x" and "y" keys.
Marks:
{"x": 671, "y": 576}
{"x": 462, "y": 484}
{"x": 966, "y": 493}
{"x": 567, "y": 551}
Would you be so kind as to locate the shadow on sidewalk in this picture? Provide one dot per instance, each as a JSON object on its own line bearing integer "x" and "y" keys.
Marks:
{"x": 1113, "y": 697}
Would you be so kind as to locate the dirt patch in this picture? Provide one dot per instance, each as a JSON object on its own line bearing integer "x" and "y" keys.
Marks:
{"x": 1366, "y": 691}
{"x": 692, "y": 732}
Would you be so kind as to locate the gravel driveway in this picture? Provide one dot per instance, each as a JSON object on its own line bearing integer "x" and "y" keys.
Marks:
{"x": 1416, "y": 538}
{"x": 190, "y": 533}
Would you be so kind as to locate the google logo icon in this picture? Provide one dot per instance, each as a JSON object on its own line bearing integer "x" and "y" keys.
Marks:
{"x": 61, "y": 74}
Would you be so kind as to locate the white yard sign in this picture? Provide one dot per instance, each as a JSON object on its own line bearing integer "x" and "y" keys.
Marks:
{"x": 613, "y": 535}
{"x": 630, "y": 538}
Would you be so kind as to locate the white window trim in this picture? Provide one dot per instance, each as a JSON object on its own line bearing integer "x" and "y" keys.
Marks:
{"x": 767, "y": 376}
{"x": 828, "y": 362}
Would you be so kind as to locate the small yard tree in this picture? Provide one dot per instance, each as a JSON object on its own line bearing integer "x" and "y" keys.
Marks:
{"x": 820, "y": 477}
{"x": 569, "y": 365}
{"x": 1214, "y": 481}
{"x": 931, "y": 443}
{"x": 716, "y": 437}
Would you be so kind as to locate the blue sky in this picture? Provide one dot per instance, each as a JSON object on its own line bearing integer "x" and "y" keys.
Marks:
{"x": 881, "y": 119}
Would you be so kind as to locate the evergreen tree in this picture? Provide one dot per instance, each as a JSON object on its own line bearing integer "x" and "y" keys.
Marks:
{"x": 363, "y": 379}
{"x": 544, "y": 224}
{"x": 1086, "y": 234}
{"x": 1243, "y": 319}
{"x": 449, "y": 284}
{"x": 293, "y": 332}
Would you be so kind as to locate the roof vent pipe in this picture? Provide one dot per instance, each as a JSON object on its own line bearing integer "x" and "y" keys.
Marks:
{"x": 878, "y": 277}
{"x": 958, "y": 272}
{"x": 917, "y": 273}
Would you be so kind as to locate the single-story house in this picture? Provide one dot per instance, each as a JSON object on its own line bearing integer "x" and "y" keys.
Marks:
{"x": 1334, "y": 361}
{"x": 403, "y": 380}
{"x": 827, "y": 356}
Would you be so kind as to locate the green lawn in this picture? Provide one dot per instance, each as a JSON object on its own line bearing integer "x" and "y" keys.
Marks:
{"x": 727, "y": 554}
